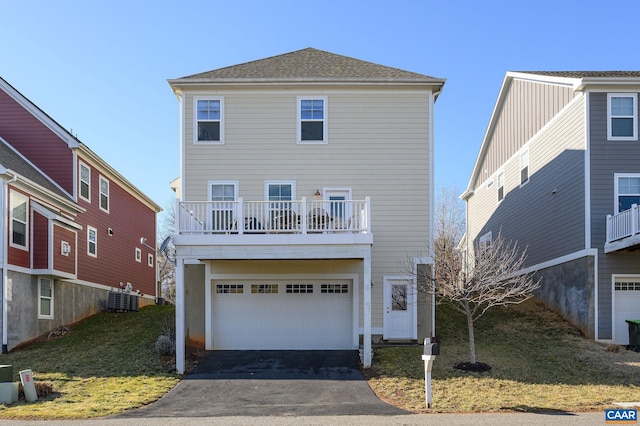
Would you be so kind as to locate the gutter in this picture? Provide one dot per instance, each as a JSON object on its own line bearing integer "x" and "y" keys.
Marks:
{"x": 5, "y": 258}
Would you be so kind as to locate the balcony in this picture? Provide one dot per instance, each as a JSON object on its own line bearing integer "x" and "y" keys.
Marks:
{"x": 622, "y": 230}
{"x": 282, "y": 225}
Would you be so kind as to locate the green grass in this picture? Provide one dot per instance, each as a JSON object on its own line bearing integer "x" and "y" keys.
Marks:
{"x": 539, "y": 363}
{"x": 105, "y": 365}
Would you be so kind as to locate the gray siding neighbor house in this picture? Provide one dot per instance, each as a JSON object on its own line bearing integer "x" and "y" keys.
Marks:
{"x": 559, "y": 172}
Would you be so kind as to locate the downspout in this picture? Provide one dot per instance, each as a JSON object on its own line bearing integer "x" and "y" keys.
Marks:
{"x": 5, "y": 260}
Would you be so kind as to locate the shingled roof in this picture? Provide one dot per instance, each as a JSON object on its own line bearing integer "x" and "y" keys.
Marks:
{"x": 311, "y": 64}
{"x": 585, "y": 74}
{"x": 10, "y": 159}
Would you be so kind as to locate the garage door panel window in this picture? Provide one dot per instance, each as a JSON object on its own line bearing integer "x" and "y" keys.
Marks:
{"x": 334, "y": 288}
{"x": 230, "y": 288}
{"x": 264, "y": 288}
{"x": 627, "y": 286}
{"x": 299, "y": 288}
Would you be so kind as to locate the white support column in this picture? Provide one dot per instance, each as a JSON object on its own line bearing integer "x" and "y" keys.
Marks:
{"x": 366, "y": 337}
{"x": 180, "y": 320}
{"x": 208, "y": 329}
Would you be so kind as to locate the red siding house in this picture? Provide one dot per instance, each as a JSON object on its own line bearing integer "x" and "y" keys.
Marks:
{"x": 71, "y": 226}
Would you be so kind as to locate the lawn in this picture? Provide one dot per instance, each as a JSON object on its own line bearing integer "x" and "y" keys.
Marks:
{"x": 539, "y": 363}
{"x": 105, "y": 364}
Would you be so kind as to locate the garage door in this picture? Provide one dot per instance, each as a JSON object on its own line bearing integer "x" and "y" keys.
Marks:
{"x": 627, "y": 307}
{"x": 282, "y": 315}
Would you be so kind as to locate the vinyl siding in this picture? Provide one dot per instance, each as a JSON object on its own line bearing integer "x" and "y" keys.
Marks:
{"x": 527, "y": 107}
{"x": 378, "y": 145}
{"x": 549, "y": 224}
{"x": 608, "y": 158}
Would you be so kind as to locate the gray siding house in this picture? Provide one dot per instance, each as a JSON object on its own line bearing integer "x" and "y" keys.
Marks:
{"x": 559, "y": 172}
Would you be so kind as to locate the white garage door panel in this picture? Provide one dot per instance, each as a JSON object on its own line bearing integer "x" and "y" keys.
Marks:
{"x": 283, "y": 320}
{"x": 627, "y": 307}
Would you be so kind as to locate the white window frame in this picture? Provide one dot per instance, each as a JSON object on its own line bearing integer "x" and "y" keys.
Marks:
{"x": 236, "y": 186}
{"x": 42, "y": 297}
{"x": 150, "y": 260}
{"x": 94, "y": 231}
{"x": 105, "y": 195}
{"x": 500, "y": 185}
{"x": 325, "y": 119}
{"x": 524, "y": 163}
{"x": 634, "y": 117}
{"x": 485, "y": 240}
{"x": 23, "y": 198}
{"x": 292, "y": 183}
{"x": 138, "y": 255}
{"x": 196, "y": 121}
{"x": 65, "y": 248}
{"x": 616, "y": 188}
{"x": 81, "y": 182}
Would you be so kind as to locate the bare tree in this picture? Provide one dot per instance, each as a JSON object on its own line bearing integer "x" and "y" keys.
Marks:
{"x": 167, "y": 268}
{"x": 491, "y": 278}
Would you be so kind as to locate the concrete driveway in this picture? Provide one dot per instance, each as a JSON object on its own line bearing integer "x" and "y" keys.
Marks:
{"x": 271, "y": 383}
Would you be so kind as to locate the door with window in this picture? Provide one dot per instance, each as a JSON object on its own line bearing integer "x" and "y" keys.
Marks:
{"x": 400, "y": 309}
{"x": 338, "y": 206}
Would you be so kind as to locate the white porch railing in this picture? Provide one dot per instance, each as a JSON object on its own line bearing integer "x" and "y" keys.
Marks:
{"x": 273, "y": 217}
{"x": 623, "y": 224}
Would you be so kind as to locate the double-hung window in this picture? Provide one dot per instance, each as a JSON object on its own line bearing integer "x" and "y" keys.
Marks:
{"x": 209, "y": 120}
{"x": 312, "y": 119}
{"x": 45, "y": 298}
{"x": 627, "y": 191}
{"x": 85, "y": 182}
{"x": 92, "y": 241}
{"x": 622, "y": 116}
{"x": 524, "y": 167}
{"x": 104, "y": 194}
{"x": 223, "y": 196}
{"x": 19, "y": 219}
{"x": 500, "y": 186}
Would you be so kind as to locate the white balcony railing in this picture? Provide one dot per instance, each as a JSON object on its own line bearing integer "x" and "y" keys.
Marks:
{"x": 272, "y": 217}
{"x": 623, "y": 224}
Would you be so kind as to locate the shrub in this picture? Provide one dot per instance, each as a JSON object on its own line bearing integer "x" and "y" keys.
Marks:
{"x": 165, "y": 345}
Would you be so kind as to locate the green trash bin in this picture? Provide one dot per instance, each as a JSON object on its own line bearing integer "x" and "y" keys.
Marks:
{"x": 634, "y": 333}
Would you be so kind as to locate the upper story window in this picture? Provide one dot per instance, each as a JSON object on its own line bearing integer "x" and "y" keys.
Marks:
{"x": 485, "y": 240}
{"x": 524, "y": 167}
{"x": 312, "y": 119}
{"x": 104, "y": 194}
{"x": 208, "y": 124}
{"x": 622, "y": 116}
{"x": 500, "y": 186}
{"x": 19, "y": 219}
{"x": 627, "y": 191}
{"x": 92, "y": 241}
{"x": 85, "y": 182}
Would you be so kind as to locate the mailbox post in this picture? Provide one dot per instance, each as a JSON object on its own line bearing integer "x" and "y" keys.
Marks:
{"x": 428, "y": 356}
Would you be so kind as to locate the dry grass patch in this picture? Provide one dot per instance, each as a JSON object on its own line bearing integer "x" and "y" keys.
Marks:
{"x": 104, "y": 365}
{"x": 540, "y": 363}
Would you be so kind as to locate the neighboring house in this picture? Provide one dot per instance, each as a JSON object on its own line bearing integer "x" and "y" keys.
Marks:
{"x": 71, "y": 226}
{"x": 559, "y": 172}
{"x": 306, "y": 184}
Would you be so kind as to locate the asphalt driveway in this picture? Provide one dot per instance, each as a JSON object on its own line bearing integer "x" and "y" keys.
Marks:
{"x": 271, "y": 383}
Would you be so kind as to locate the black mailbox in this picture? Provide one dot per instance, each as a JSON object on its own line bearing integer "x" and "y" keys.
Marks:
{"x": 431, "y": 349}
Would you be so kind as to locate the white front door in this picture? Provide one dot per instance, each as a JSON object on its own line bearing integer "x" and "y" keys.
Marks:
{"x": 400, "y": 309}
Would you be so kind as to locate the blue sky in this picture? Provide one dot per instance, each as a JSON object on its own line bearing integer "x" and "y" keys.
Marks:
{"x": 101, "y": 67}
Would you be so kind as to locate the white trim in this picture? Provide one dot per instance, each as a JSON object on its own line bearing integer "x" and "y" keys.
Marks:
{"x": 89, "y": 229}
{"x": 616, "y": 189}
{"x": 412, "y": 299}
{"x": 587, "y": 173}
{"x": 180, "y": 316}
{"x": 108, "y": 197}
{"x": 150, "y": 260}
{"x": 138, "y": 255}
{"x": 500, "y": 172}
{"x": 80, "y": 165}
{"x": 524, "y": 151}
{"x": 614, "y": 277}
{"x": 559, "y": 260}
{"x": 195, "y": 120}
{"x": 325, "y": 119}
{"x": 27, "y": 222}
{"x": 267, "y": 183}
{"x": 40, "y": 297}
{"x": 235, "y": 183}
{"x": 634, "y": 117}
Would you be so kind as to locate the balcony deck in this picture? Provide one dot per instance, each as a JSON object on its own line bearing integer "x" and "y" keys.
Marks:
{"x": 622, "y": 230}
{"x": 271, "y": 223}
